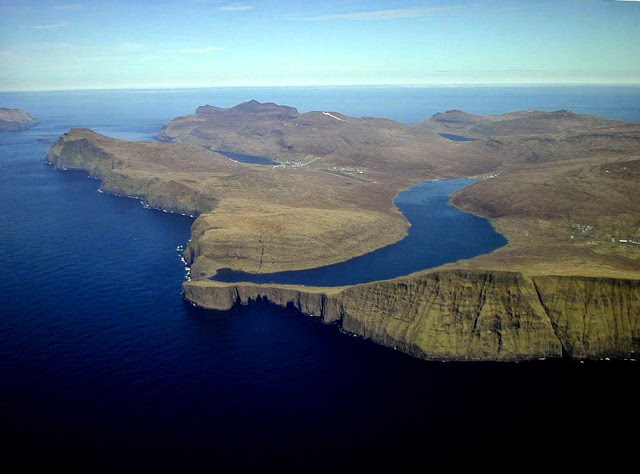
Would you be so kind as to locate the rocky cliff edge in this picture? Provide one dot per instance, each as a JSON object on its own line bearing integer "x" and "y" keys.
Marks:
{"x": 465, "y": 315}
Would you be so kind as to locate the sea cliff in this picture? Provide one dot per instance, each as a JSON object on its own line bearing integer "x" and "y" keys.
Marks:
{"x": 250, "y": 217}
{"x": 88, "y": 153}
{"x": 562, "y": 188}
{"x": 465, "y": 315}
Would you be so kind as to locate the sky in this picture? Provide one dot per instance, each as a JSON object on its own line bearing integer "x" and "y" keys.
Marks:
{"x": 77, "y": 44}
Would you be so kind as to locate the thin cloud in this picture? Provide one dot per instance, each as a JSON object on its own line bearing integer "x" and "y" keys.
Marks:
{"x": 391, "y": 14}
{"x": 206, "y": 49}
{"x": 235, "y": 7}
{"x": 50, "y": 26}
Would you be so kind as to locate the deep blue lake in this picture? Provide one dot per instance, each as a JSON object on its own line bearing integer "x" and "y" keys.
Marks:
{"x": 241, "y": 157}
{"x": 439, "y": 234}
{"x": 105, "y": 368}
{"x": 456, "y": 138}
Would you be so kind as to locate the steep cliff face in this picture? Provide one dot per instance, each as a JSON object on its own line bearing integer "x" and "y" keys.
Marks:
{"x": 593, "y": 317}
{"x": 490, "y": 311}
{"x": 453, "y": 316}
{"x": 251, "y": 218}
{"x": 465, "y": 315}
{"x": 312, "y": 301}
{"x": 86, "y": 154}
{"x": 80, "y": 154}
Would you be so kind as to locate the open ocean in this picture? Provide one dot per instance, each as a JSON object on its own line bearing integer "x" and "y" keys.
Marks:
{"x": 104, "y": 367}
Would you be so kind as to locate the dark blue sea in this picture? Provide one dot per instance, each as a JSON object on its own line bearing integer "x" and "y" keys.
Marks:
{"x": 104, "y": 367}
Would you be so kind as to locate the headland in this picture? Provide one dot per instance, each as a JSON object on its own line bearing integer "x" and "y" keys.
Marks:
{"x": 562, "y": 188}
{"x": 15, "y": 120}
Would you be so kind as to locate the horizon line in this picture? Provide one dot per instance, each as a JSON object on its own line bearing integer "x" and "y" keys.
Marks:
{"x": 407, "y": 85}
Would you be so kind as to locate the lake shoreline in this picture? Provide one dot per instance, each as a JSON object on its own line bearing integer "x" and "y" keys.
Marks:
{"x": 514, "y": 303}
{"x": 432, "y": 220}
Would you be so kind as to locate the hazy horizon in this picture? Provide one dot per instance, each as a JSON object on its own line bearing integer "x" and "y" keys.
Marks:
{"x": 335, "y": 86}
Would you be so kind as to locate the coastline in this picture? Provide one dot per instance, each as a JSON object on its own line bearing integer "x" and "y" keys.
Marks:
{"x": 329, "y": 305}
{"x": 559, "y": 286}
{"x": 462, "y": 315}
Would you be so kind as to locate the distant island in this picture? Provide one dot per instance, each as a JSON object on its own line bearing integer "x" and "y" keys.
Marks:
{"x": 563, "y": 188}
{"x": 15, "y": 119}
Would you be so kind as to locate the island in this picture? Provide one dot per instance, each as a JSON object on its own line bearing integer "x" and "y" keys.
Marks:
{"x": 15, "y": 119}
{"x": 563, "y": 188}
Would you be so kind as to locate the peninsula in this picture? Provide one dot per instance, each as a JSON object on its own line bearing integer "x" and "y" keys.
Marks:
{"x": 563, "y": 188}
{"x": 15, "y": 119}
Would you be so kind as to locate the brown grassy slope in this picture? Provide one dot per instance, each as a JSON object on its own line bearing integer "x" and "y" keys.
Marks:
{"x": 336, "y": 202}
{"x": 566, "y": 193}
{"x": 264, "y": 218}
{"x": 563, "y": 187}
{"x": 387, "y": 151}
{"x": 580, "y": 217}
